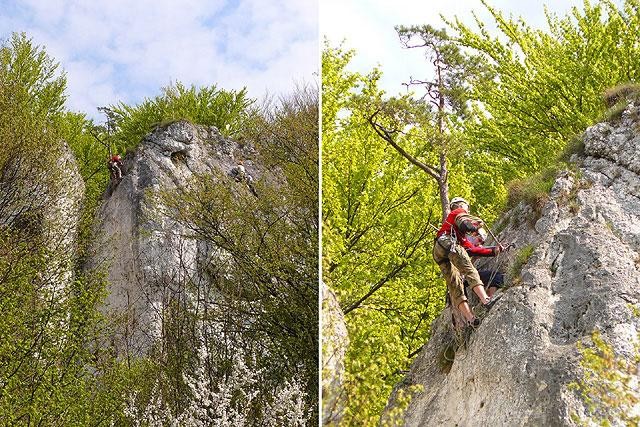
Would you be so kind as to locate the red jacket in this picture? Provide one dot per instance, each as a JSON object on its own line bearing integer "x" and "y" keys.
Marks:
{"x": 472, "y": 250}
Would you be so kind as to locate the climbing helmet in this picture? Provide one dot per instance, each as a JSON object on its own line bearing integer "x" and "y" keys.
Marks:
{"x": 457, "y": 200}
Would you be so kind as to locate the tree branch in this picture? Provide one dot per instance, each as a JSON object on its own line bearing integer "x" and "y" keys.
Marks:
{"x": 393, "y": 273}
{"x": 386, "y": 135}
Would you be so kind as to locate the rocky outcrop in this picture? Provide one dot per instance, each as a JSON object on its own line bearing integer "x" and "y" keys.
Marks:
{"x": 143, "y": 249}
{"x": 41, "y": 200}
{"x": 62, "y": 217}
{"x": 335, "y": 341}
{"x": 582, "y": 275}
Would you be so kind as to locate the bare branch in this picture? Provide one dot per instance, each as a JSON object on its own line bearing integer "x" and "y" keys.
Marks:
{"x": 387, "y": 136}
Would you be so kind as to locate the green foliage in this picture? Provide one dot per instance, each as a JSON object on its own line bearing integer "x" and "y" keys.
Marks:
{"x": 394, "y": 417}
{"x": 209, "y": 106}
{"x": 52, "y": 369}
{"x": 30, "y": 98}
{"x": 448, "y": 92}
{"x": 618, "y": 98}
{"x": 522, "y": 257}
{"x": 377, "y": 211}
{"x": 534, "y": 189}
{"x": 547, "y": 85}
{"x": 608, "y": 386}
{"x": 31, "y": 77}
{"x": 90, "y": 155}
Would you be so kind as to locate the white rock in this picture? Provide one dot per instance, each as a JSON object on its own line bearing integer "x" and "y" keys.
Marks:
{"x": 142, "y": 248}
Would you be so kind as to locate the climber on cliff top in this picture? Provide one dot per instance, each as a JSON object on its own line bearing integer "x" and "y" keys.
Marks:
{"x": 115, "y": 166}
{"x": 451, "y": 251}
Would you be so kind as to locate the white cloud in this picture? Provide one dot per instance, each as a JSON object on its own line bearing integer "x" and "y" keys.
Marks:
{"x": 124, "y": 50}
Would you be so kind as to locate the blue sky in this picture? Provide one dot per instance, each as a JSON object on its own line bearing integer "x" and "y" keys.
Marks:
{"x": 368, "y": 27}
{"x": 126, "y": 50}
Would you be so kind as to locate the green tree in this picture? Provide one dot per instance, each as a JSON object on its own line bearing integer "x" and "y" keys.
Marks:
{"x": 378, "y": 212}
{"x": 548, "y": 85}
{"x": 608, "y": 385}
{"x": 436, "y": 120}
{"x": 208, "y": 106}
{"x": 51, "y": 370}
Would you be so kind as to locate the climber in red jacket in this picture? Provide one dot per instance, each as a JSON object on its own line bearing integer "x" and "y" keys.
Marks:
{"x": 451, "y": 251}
{"x": 115, "y": 166}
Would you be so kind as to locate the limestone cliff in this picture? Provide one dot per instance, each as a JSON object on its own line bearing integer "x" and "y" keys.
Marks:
{"x": 582, "y": 275}
{"x": 141, "y": 247}
{"x": 43, "y": 196}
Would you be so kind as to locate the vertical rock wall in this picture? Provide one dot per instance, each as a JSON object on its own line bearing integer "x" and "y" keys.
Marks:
{"x": 583, "y": 275}
{"x": 143, "y": 250}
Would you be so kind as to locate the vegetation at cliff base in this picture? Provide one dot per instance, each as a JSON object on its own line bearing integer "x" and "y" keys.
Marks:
{"x": 609, "y": 384}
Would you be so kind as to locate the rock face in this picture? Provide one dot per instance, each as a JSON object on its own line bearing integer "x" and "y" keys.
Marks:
{"x": 335, "y": 342}
{"x": 141, "y": 247}
{"x": 48, "y": 202}
{"x": 582, "y": 275}
{"x": 62, "y": 218}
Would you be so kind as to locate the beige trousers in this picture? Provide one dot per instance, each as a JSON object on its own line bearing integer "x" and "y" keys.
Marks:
{"x": 452, "y": 265}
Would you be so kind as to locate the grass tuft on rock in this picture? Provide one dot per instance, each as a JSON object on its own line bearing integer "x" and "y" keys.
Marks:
{"x": 522, "y": 257}
{"x": 533, "y": 190}
{"x": 618, "y": 98}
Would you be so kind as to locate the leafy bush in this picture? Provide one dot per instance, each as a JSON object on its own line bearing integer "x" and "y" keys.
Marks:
{"x": 574, "y": 146}
{"x": 614, "y": 113}
{"x": 208, "y": 105}
{"x": 617, "y": 99}
{"x": 534, "y": 189}
{"x": 622, "y": 92}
